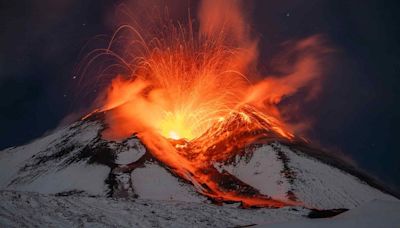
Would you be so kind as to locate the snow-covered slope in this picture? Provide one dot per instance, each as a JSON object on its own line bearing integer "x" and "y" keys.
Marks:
{"x": 56, "y": 163}
{"x": 19, "y": 209}
{"x": 22, "y": 209}
{"x": 155, "y": 182}
{"x": 76, "y": 160}
{"x": 282, "y": 173}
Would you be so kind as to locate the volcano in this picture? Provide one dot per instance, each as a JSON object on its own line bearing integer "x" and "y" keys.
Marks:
{"x": 76, "y": 160}
{"x": 185, "y": 120}
{"x": 75, "y": 172}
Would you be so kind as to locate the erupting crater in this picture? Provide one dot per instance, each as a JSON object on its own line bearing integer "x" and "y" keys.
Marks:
{"x": 190, "y": 92}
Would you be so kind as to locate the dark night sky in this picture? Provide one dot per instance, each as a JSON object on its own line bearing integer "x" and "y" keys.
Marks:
{"x": 357, "y": 113}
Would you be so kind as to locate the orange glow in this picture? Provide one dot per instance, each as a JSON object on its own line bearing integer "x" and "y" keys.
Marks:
{"x": 174, "y": 135}
{"x": 199, "y": 86}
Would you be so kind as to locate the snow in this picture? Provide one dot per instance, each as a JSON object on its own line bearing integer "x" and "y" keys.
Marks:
{"x": 323, "y": 186}
{"x": 81, "y": 177}
{"x": 12, "y": 159}
{"x": 134, "y": 151}
{"x": 22, "y": 209}
{"x": 262, "y": 171}
{"x": 22, "y": 173}
{"x": 375, "y": 214}
{"x": 155, "y": 182}
{"x": 313, "y": 182}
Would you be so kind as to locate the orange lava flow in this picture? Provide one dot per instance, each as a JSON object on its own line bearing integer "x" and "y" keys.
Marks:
{"x": 187, "y": 82}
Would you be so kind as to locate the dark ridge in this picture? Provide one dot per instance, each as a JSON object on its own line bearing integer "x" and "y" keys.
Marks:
{"x": 335, "y": 161}
{"x": 291, "y": 196}
{"x": 231, "y": 183}
{"x": 96, "y": 153}
{"x": 101, "y": 154}
{"x": 116, "y": 188}
{"x": 112, "y": 184}
{"x": 250, "y": 225}
{"x": 128, "y": 168}
{"x": 39, "y": 160}
{"x": 70, "y": 193}
{"x": 314, "y": 213}
{"x": 287, "y": 172}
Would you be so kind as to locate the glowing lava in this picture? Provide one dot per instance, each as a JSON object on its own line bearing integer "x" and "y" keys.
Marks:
{"x": 191, "y": 82}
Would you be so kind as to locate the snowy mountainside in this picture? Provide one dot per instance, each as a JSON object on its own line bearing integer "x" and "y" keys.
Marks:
{"x": 282, "y": 173}
{"x": 76, "y": 160}
{"x": 53, "y": 164}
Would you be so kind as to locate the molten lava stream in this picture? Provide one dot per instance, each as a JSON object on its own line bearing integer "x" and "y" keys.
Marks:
{"x": 247, "y": 201}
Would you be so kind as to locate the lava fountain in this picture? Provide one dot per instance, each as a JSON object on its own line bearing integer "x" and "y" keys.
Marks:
{"x": 190, "y": 93}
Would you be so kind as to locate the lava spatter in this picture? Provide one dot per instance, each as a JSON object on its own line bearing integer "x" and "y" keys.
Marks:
{"x": 190, "y": 92}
